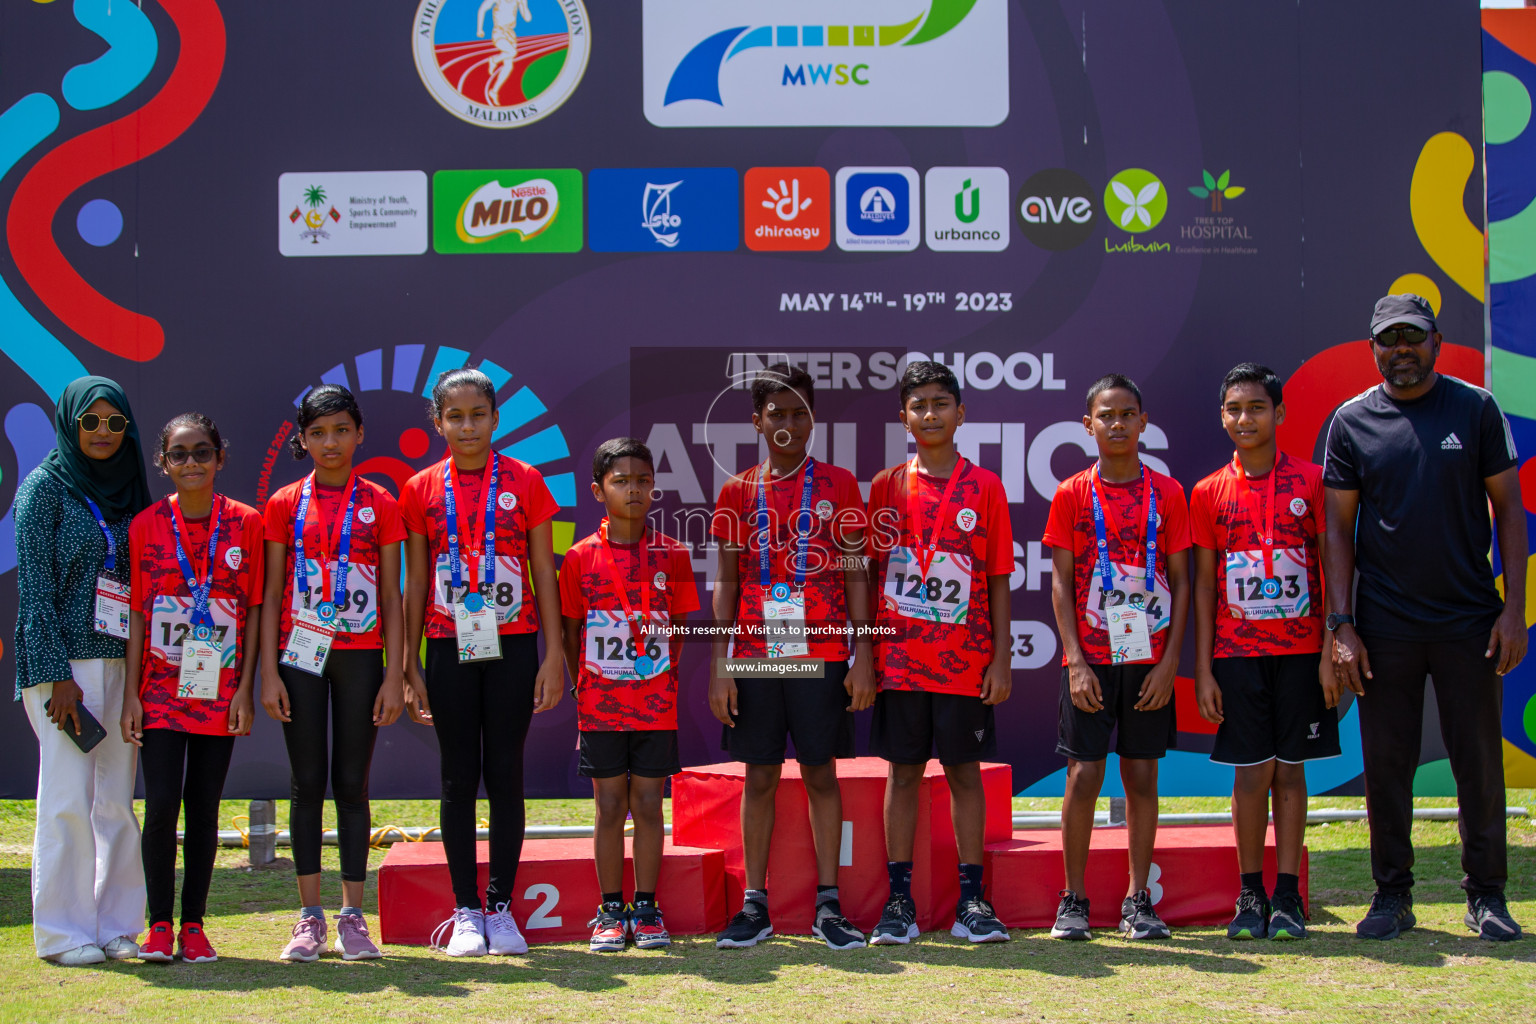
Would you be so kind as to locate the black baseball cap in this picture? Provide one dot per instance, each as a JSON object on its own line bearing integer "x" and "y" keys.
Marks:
{"x": 1406, "y": 308}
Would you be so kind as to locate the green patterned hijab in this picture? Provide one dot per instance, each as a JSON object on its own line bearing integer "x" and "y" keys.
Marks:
{"x": 117, "y": 485}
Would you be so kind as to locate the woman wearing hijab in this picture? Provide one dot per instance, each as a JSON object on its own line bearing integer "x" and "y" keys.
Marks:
{"x": 72, "y": 515}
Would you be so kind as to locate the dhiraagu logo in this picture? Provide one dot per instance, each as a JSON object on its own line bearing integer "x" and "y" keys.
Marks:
{"x": 1135, "y": 200}
{"x": 825, "y": 62}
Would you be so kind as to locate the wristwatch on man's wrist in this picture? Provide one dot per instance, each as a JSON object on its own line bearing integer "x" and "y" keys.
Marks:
{"x": 1336, "y": 620}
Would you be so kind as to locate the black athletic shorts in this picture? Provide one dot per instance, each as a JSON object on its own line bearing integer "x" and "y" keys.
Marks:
{"x": 811, "y": 712}
{"x": 648, "y": 753}
{"x": 1273, "y": 708}
{"x": 910, "y": 724}
{"x": 1143, "y": 735}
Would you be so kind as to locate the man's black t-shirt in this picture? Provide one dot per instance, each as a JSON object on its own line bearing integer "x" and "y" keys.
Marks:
{"x": 1423, "y": 533}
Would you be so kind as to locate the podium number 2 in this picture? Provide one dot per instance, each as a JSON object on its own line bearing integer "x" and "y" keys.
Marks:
{"x": 541, "y": 917}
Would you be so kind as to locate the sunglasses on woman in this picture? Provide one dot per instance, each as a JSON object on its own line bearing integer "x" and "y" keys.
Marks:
{"x": 179, "y": 456}
{"x": 116, "y": 423}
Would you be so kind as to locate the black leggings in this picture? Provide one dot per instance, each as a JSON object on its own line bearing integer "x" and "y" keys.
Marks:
{"x": 181, "y": 770}
{"x": 349, "y": 688}
{"x": 481, "y": 711}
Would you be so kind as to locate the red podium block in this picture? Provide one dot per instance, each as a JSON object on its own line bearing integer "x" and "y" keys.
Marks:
{"x": 1193, "y": 878}
{"x": 556, "y": 893}
{"x": 706, "y": 812}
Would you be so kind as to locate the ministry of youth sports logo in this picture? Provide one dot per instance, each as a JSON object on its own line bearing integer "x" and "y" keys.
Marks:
{"x": 501, "y": 63}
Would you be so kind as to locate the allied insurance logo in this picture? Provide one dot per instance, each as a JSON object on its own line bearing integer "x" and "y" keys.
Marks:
{"x": 825, "y": 62}
{"x": 501, "y": 63}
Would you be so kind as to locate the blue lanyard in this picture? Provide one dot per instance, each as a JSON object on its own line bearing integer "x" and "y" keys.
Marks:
{"x": 802, "y": 525}
{"x": 101, "y": 521}
{"x": 451, "y": 512}
{"x": 200, "y": 591}
{"x": 343, "y": 546}
{"x": 1106, "y": 574}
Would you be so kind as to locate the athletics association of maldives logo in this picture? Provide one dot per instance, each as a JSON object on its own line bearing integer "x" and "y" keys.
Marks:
{"x": 501, "y": 63}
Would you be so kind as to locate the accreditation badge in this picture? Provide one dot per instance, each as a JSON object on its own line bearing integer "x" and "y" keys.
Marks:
{"x": 474, "y": 624}
{"x": 111, "y": 607}
{"x": 1129, "y": 637}
{"x": 310, "y": 640}
{"x": 784, "y": 633}
{"x": 201, "y": 658}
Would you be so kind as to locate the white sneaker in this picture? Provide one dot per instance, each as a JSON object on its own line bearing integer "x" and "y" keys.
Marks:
{"x": 90, "y": 953}
{"x": 124, "y": 947}
{"x": 502, "y": 935}
{"x": 465, "y": 931}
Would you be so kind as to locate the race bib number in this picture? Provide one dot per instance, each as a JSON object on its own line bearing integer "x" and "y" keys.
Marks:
{"x": 111, "y": 607}
{"x": 358, "y": 612}
{"x": 170, "y": 627}
{"x": 613, "y": 651}
{"x": 784, "y": 633}
{"x": 1250, "y": 595}
{"x": 475, "y": 629}
{"x": 201, "y": 660}
{"x": 941, "y": 595}
{"x": 309, "y": 642}
{"x": 1130, "y": 592}
{"x": 505, "y": 598}
{"x": 1128, "y": 636}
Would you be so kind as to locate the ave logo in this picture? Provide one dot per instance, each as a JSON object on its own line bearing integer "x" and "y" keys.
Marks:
{"x": 1056, "y": 209}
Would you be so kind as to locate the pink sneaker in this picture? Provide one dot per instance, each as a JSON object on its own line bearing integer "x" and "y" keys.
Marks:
{"x": 308, "y": 940}
{"x": 352, "y": 940}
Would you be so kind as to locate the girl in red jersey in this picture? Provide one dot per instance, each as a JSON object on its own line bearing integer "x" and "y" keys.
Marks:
{"x": 479, "y": 548}
{"x": 334, "y": 539}
{"x": 196, "y": 611}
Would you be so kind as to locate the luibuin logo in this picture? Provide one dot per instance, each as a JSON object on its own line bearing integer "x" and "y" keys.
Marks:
{"x": 1135, "y": 200}
{"x": 1216, "y": 189}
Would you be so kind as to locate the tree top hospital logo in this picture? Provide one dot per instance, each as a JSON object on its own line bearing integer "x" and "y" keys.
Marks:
{"x": 825, "y": 62}
{"x": 501, "y": 63}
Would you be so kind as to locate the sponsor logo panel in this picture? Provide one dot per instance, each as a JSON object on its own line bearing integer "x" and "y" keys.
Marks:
{"x": 507, "y": 211}
{"x": 787, "y": 209}
{"x": 966, "y": 208}
{"x": 877, "y": 209}
{"x": 352, "y": 213}
{"x": 666, "y": 209}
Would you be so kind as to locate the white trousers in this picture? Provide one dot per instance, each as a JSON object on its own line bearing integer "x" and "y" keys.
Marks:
{"x": 87, "y": 876}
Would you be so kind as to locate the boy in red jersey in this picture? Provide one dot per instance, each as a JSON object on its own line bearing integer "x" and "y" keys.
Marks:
{"x": 1120, "y": 590}
{"x": 1258, "y": 529}
{"x": 761, "y": 519}
{"x": 619, "y": 586}
{"x": 943, "y": 547}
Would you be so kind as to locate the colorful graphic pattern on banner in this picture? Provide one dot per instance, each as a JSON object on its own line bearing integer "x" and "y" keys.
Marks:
{"x": 846, "y": 184}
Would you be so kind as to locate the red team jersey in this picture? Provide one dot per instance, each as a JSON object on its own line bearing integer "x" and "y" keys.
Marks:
{"x": 160, "y": 592}
{"x": 1222, "y": 520}
{"x": 523, "y": 503}
{"x": 835, "y": 507}
{"x": 939, "y": 657}
{"x": 1070, "y": 527}
{"x": 588, "y": 592}
{"x": 376, "y": 524}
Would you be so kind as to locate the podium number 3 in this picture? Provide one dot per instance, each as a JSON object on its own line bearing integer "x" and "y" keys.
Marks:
{"x": 541, "y": 916}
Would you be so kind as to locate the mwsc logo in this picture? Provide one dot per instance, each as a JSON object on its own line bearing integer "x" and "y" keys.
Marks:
{"x": 878, "y": 62}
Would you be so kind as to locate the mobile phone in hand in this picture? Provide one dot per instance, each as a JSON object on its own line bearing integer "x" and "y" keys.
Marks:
{"x": 91, "y": 731}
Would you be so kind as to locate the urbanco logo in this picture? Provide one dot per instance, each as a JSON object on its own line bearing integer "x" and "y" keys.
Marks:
{"x": 1056, "y": 209}
{"x": 825, "y": 62}
{"x": 1135, "y": 200}
{"x": 966, "y": 208}
{"x": 501, "y": 63}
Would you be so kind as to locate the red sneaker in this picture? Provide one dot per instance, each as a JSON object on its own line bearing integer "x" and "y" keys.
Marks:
{"x": 194, "y": 945}
{"x": 157, "y": 943}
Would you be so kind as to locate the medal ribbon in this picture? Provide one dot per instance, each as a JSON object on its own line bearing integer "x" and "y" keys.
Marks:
{"x": 451, "y": 513}
{"x": 200, "y": 591}
{"x": 1267, "y": 538}
{"x": 636, "y": 624}
{"x": 1149, "y": 495}
{"x": 342, "y": 545}
{"x": 801, "y": 530}
{"x": 929, "y": 536}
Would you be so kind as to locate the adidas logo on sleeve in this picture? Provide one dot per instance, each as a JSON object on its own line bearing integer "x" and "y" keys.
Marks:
{"x": 1452, "y": 443}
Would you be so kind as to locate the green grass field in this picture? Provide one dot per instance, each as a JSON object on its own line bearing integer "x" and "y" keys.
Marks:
{"x": 1438, "y": 972}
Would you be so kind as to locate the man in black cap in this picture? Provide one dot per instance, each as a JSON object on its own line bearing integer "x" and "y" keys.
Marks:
{"x": 1410, "y": 469}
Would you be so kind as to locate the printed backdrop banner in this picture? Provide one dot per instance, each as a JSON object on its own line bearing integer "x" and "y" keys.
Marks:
{"x": 617, "y": 210}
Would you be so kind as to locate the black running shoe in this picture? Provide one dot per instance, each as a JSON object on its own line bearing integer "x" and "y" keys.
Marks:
{"x": 977, "y": 921}
{"x": 1252, "y": 918}
{"x": 1489, "y": 917}
{"x": 1138, "y": 920}
{"x": 834, "y": 929}
{"x": 1287, "y": 920}
{"x": 749, "y": 927}
{"x": 1390, "y": 915}
{"x": 1071, "y": 917}
{"x": 898, "y": 923}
